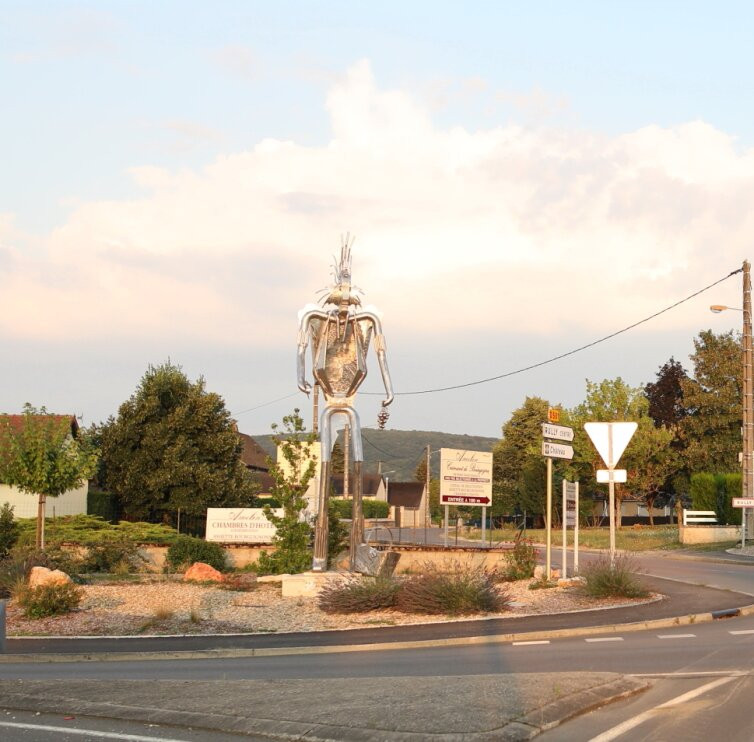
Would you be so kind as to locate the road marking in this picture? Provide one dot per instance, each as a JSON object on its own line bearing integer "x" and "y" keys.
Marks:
{"x": 526, "y": 644}
{"x": 605, "y": 639}
{"x": 629, "y": 724}
{"x": 676, "y": 636}
{"x": 742, "y": 631}
{"x": 89, "y": 732}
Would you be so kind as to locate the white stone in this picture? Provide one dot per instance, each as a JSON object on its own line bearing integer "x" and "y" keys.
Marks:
{"x": 307, "y": 584}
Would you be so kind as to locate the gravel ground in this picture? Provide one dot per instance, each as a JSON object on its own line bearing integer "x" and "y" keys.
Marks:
{"x": 167, "y": 607}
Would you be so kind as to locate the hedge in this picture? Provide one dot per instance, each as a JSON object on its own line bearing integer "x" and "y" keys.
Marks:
{"x": 372, "y": 508}
{"x": 716, "y": 492}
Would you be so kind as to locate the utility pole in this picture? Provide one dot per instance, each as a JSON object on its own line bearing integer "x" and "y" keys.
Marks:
{"x": 748, "y": 411}
{"x": 426, "y": 497}
{"x": 346, "y": 460}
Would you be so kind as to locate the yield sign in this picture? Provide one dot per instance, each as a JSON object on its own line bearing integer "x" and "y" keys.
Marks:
{"x": 610, "y": 439}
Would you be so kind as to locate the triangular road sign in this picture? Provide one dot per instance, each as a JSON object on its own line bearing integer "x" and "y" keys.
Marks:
{"x": 610, "y": 439}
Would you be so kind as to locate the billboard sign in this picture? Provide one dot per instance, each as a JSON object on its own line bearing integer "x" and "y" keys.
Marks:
{"x": 240, "y": 525}
{"x": 465, "y": 477}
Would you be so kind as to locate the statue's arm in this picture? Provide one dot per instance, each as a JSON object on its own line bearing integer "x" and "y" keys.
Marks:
{"x": 380, "y": 349}
{"x": 303, "y": 342}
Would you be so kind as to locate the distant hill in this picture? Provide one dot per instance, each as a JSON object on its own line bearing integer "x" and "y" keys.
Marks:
{"x": 401, "y": 450}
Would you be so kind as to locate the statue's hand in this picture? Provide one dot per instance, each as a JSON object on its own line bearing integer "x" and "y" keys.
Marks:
{"x": 304, "y": 386}
{"x": 388, "y": 400}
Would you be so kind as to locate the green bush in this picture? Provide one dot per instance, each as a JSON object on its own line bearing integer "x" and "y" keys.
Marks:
{"x": 49, "y": 600}
{"x": 359, "y": 594}
{"x": 104, "y": 505}
{"x": 8, "y": 530}
{"x": 469, "y": 590}
{"x": 337, "y": 533}
{"x": 186, "y": 550}
{"x": 716, "y": 492}
{"x": 371, "y": 508}
{"x": 520, "y": 561}
{"x": 113, "y": 553}
{"x": 606, "y": 580}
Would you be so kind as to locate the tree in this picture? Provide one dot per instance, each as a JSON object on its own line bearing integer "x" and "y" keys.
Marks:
{"x": 711, "y": 429}
{"x": 337, "y": 459}
{"x": 665, "y": 395}
{"x": 174, "y": 445}
{"x": 41, "y": 456}
{"x": 518, "y": 468}
{"x": 292, "y": 553}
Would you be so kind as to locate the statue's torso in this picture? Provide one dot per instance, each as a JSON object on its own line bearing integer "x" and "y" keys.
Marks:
{"x": 339, "y": 352}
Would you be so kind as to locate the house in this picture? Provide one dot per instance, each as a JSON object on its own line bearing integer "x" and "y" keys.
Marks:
{"x": 372, "y": 486}
{"x": 72, "y": 502}
{"x": 633, "y": 510}
{"x": 254, "y": 459}
{"x": 408, "y": 505}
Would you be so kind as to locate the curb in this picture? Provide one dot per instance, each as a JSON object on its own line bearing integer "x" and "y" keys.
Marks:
{"x": 523, "y": 727}
{"x": 659, "y": 623}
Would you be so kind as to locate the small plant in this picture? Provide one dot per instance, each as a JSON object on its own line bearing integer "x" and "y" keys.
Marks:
{"x": 337, "y": 534}
{"x": 19, "y": 562}
{"x": 359, "y": 594}
{"x": 186, "y": 550}
{"x": 520, "y": 561}
{"x": 8, "y": 530}
{"x": 468, "y": 590}
{"x": 618, "y": 579}
{"x": 195, "y": 616}
{"x": 49, "y": 600}
{"x": 542, "y": 583}
{"x": 162, "y": 613}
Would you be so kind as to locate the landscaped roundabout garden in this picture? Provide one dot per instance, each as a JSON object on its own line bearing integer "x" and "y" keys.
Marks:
{"x": 102, "y": 588}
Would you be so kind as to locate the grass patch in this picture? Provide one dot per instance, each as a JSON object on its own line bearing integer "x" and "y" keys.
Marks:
{"x": 542, "y": 584}
{"x": 609, "y": 580}
{"x": 628, "y": 538}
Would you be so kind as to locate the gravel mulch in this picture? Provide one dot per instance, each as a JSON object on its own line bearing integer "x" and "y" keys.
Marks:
{"x": 167, "y": 607}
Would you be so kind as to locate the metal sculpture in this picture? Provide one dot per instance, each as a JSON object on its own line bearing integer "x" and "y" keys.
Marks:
{"x": 340, "y": 332}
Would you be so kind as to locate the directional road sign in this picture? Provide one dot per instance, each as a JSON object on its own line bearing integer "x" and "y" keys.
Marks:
{"x": 743, "y": 502}
{"x": 556, "y": 450}
{"x": 559, "y": 432}
{"x": 610, "y": 439}
{"x": 619, "y": 476}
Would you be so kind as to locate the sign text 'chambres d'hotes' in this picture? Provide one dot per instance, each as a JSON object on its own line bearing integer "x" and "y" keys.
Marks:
{"x": 465, "y": 477}
{"x": 240, "y": 525}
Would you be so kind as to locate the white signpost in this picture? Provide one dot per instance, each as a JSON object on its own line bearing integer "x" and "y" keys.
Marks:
{"x": 610, "y": 440}
{"x": 743, "y": 502}
{"x": 552, "y": 451}
{"x": 570, "y": 520}
{"x": 605, "y": 476}
{"x": 465, "y": 479}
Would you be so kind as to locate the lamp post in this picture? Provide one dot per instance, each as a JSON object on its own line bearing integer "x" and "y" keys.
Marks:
{"x": 748, "y": 400}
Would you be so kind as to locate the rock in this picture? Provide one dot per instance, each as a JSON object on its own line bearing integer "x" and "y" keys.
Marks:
{"x": 370, "y": 561}
{"x": 308, "y": 584}
{"x": 201, "y": 572}
{"x": 539, "y": 573}
{"x": 42, "y": 576}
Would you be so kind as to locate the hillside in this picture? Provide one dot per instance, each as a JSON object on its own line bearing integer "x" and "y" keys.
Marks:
{"x": 401, "y": 450}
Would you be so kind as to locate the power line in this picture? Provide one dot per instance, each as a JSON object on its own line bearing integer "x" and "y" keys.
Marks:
{"x": 562, "y": 355}
{"x": 264, "y": 404}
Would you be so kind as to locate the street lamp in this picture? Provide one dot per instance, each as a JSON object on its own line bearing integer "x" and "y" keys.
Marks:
{"x": 748, "y": 401}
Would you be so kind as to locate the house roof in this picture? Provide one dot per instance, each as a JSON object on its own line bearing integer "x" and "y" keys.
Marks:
{"x": 370, "y": 484}
{"x": 16, "y": 422}
{"x": 264, "y": 480}
{"x": 405, "y": 494}
{"x": 252, "y": 454}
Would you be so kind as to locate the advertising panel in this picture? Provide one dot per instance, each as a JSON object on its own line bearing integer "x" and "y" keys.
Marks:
{"x": 465, "y": 477}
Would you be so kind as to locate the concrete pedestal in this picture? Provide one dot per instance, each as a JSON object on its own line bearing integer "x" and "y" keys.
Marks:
{"x": 307, "y": 584}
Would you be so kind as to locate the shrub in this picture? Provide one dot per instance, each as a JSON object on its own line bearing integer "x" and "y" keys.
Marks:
{"x": 468, "y": 590}
{"x": 186, "y": 550}
{"x": 17, "y": 565}
{"x": 49, "y": 600}
{"x": 520, "y": 561}
{"x": 359, "y": 594}
{"x": 337, "y": 533}
{"x": 8, "y": 530}
{"x": 606, "y": 580}
{"x": 542, "y": 584}
{"x": 113, "y": 553}
{"x": 371, "y": 508}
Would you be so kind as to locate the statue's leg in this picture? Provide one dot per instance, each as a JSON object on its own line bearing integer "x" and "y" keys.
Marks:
{"x": 357, "y": 513}
{"x": 321, "y": 529}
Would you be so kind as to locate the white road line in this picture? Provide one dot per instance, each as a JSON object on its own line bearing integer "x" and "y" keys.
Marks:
{"x": 629, "y": 724}
{"x": 605, "y": 639}
{"x": 742, "y": 631}
{"x": 88, "y": 732}
{"x": 526, "y": 644}
{"x": 676, "y": 636}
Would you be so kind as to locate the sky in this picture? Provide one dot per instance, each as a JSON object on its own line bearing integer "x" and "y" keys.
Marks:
{"x": 521, "y": 180}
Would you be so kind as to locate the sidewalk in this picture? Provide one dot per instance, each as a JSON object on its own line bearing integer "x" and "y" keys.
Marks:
{"x": 479, "y": 708}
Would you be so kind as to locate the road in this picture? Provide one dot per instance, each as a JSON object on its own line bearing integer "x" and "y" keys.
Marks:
{"x": 703, "y": 673}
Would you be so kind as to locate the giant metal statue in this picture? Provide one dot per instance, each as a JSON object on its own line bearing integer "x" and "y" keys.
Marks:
{"x": 340, "y": 333}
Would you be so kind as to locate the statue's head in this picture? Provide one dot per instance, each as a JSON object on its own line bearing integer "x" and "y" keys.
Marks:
{"x": 342, "y": 293}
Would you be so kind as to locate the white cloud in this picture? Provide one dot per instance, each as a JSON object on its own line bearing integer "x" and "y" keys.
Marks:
{"x": 535, "y": 230}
